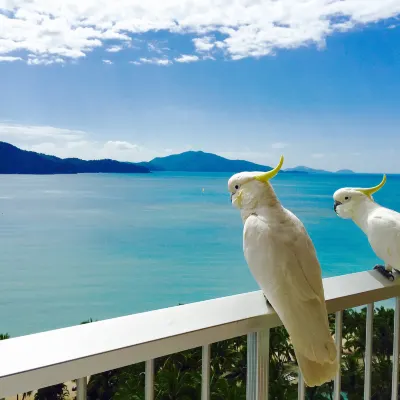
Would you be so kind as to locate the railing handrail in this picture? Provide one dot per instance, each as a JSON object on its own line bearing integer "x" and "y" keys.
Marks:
{"x": 44, "y": 359}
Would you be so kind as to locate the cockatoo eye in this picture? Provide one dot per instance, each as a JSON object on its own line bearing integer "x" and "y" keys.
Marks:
{"x": 347, "y": 198}
{"x": 236, "y": 187}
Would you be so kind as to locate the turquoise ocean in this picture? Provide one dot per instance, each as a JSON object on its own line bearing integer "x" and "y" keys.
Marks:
{"x": 103, "y": 245}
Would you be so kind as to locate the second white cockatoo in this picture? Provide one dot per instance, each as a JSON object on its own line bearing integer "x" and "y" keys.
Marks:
{"x": 283, "y": 261}
{"x": 380, "y": 224}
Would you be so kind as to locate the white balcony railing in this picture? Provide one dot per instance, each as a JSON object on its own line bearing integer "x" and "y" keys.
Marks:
{"x": 45, "y": 359}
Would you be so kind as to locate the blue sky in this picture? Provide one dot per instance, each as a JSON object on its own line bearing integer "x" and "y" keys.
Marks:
{"x": 316, "y": 80}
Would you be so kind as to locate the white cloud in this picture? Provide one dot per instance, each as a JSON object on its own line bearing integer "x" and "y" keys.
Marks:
{"x": 186, "y": 58}
{"x": 65, "y": 143}
{"x": 10, "y": 131}
{"x": 44, "y": 60}
{"x": 91, "y": 150}
{"x": 318, "y": 155}
{"x": 9, "y": 59}
{"x": 279, "y": 145}
{"x": 155, "y": 61}
{"x": 121, "y": 145}
{"x": 154, "y": 46}
{"x": 205, "y": 43}
{"x": 114, "y": 49}
{"x": 71, "y": 29}
{"x": 94, "y": 150}
{"x": 109, "y": 62}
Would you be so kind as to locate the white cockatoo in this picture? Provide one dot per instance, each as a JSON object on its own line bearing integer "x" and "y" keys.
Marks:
{"x": 283, "y": 261}
{"x": 380, "y": 224}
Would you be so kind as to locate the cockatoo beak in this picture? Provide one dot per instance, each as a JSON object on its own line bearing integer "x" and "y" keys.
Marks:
{"x": 336, "y": 204}
{"x": 270, "y": 174}
{"x": 370, "y": 191}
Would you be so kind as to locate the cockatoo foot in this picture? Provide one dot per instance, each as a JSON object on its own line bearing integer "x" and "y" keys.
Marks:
{"x": 383, "y": 271}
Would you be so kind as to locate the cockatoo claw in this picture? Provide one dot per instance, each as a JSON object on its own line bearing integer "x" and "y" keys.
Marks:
{"x": 383, "y": 271}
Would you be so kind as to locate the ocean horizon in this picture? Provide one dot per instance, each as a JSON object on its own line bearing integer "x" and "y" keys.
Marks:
{"x": 74, "y": 247}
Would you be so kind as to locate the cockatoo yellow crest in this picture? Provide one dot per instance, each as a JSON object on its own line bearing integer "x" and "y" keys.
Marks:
{"x": 370, "y": 191}
{"x": 266, "y": 176}
{"x": 284, "y": 263}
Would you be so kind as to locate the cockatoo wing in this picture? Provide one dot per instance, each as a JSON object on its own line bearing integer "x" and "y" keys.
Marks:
{"x": 304, "y": 251}
{"x": 282, "y": 259}
{"x": 384, "y": 235}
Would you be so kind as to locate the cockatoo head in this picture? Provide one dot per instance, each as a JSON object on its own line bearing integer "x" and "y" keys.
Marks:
{"x": 346, "y": 200}
{"x": 247, "y": 188}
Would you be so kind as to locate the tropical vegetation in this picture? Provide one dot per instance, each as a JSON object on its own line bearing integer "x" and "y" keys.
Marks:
{"x": 178, "y": 376}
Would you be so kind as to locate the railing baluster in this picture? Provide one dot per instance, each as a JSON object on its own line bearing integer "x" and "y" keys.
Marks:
{"x": 301, "y": 389}
{"x": 257, "y": 365}
{"x": 205, "y": 372}
{"x": 81, "y": 388}
{"x": 396, "y": 337}
{"x": 263, "y": 364}
{"x": 368, "y": 351}
{"x": 338, "y": 340}
{"x": 149, "y": 380}
{"x": 251, "y": 384}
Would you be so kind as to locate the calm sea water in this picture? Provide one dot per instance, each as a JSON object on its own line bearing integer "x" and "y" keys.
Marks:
{"x": 101, "y": 246}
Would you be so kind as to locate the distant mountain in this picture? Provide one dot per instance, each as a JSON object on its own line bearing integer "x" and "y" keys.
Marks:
{"x": 149, "y": 165}
{"x": 16, "y": 161}
{"x": 308, "y": 170}
{"x": 105, "y": 166}
{"x": 198, "y": 161}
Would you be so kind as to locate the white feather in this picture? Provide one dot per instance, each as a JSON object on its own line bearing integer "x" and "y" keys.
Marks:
{"x": 382, "y": 227}
{"x": 283, "y": 261}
